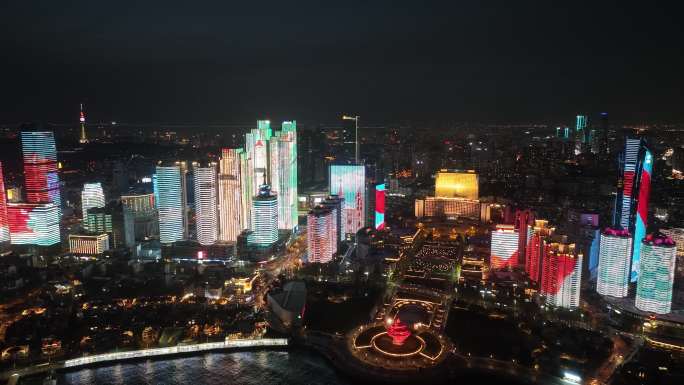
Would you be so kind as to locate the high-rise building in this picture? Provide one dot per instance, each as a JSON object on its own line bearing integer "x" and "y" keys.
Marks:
{"x": 205, "y": 204}
{"x": 504, "y": 247}
{"x": 283, "y": 173}
{"x": 321, "y": 234}
{"x": 229, "y": 195}
{"x": 349, "y": 182}
{"x": 141, "y": 219}
{"x": 457, "y": 184}
{"x": 334, "y": 203}
{"x": 33, "y": 223}
{"x": 170, "y": 204}
{"x": 561, "y": 275}
{"x": 88, "y": 244}
{"x": 380, "y": 206}
{"x": 40, "y": 167}
{"x": 614, "y": 262}
{"x": 4, "y": 227}
{"x": 264, "y": 218}
{"x": 580, "y": 134}
{"x": 523, "y": 220}
{"x": 92, "y": 196}
{"x": 631, "y": 204}
{"x": 656, "y": 274}
{"x": 537, "y": 248}
{"x": 185, "y": 192}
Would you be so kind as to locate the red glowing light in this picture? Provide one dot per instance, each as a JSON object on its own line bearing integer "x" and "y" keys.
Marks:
{"x": 398, "y": 331}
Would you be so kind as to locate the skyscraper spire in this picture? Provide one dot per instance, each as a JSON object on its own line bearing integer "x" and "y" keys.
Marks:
{"x": 81, "y": 119}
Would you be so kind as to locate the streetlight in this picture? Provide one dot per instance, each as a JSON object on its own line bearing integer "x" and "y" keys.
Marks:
{"x": 356, "y": 135}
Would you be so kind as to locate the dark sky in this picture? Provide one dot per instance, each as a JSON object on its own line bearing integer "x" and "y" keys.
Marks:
{"x": 458, "y": 60}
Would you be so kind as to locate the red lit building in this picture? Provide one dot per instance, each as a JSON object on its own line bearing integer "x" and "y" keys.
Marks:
{"x": 561, "y": 274}
{"x": 536, "y": 248}
{"x": 523, "y": 219}
{"x": 4, "y": 227}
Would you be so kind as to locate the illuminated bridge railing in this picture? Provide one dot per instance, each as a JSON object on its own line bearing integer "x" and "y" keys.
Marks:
{"x": 180, "y": 349}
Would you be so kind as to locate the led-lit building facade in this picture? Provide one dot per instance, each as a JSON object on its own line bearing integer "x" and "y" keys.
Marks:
{"x": 205, "y": 204}
{"x": 138, "y": 203}
{"x": 656, "y": 274}
{"x": 523, "y": 220}
{"x": 349, "y": 182}
{"x": 614, "y": 263}
{"x": 283, "y": 173}
{"x": 631, "y": 204}
{"x": 380, "y": 206}
{"x": 33, "y": 223}
{"x": 504, "y": 247}
{"x": 334, "y": 203}
{"x": 170, "y": 204}
{"x": 536, "y": 248}
{"x": 264, "y": 218}
{"x": 457, "y": 184}
{"x": 4, "y": 227}
{"x": 321, "y": 235}
{"x": 561, "y": 275}
{"x": 40, "y": 167}
{"x": 88, "y": 244}
{"x": 448, "y": 207}
{"x": 92, "y": 196}
{"x": 229, "y": 195}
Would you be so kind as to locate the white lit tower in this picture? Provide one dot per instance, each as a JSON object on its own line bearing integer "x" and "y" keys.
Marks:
{"x": 205, "y": 204}
{"x": 229, "y": 195}
{"x": 92, "y": 197}
{"x": 283, "y": 173}
{"x": 170, "y": 204}
{"x": 264, "y": 218}
{"x": 614, "y": 261}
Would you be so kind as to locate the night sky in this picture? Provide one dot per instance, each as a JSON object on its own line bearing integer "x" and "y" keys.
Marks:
{"x": 235, "y": 61}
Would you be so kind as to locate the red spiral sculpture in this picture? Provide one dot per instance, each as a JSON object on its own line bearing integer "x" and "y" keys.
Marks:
{"x": 398, "y": 331}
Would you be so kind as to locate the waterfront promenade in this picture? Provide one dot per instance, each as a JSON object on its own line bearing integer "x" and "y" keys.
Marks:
{"x": 12, "y": 376}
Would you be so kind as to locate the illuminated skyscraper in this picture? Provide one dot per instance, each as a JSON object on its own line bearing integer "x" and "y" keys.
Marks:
{"x": 656, "y": 274}
{"x": 457, "y": 184}
{"x": 40, "y": 167}
{"x": 4, "y": 227}
{"x": 205, "y": 204}
{"x": 283, "y": 173}
{"x": 580, "y": 134}
{"x": 170, "y": 204}
{"x": 92, "y": 196}
{"x": 614, "y": 260}
{"x": 183, "y": 169}
{"x": 561, "y": 275}
{"x": 264, "y": 218}
{"x": 631, "y": 204}
{"x": 33, "y": 223}
{"x": 523, "y": 220}
{"x": 504, "y": 247}
{"x": 334, "y": 203}
{"x": 246, "y": 181}
{"x": 349, "y": 182}
{"x": 536, "y": 248}
{"x": 321, "y": 235}
{"x": 230, "y": 195}
{"x": 380, "y": 206}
